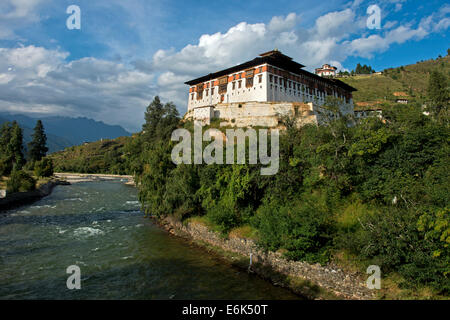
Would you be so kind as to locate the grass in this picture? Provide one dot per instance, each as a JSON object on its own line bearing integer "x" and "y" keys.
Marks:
{"x": 105, "y": 156}
{"x": 245, "y": 231}
{"x": 391, "y": 290}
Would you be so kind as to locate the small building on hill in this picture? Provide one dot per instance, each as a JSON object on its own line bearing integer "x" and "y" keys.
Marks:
{"x": 401, "y": 97}
{"x": 326, "y": 71}
{"x": 259, "y": 91}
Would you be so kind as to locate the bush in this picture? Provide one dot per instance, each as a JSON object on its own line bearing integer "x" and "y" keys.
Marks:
{"x": 20, "y": 181}
{"x": 304, "y": 229}
{"x": 44, "y": 168}
{"x": 405, "y": 241}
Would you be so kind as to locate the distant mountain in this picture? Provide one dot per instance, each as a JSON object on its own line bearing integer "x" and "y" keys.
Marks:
{"x": 65, "y": 132}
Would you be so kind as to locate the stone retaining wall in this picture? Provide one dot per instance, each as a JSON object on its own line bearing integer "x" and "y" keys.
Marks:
{"x": 330, "y": 278}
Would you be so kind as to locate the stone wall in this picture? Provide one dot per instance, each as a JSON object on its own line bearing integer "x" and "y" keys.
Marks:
{"x": 264, "y": 114}
{"x": 331, "y": 278}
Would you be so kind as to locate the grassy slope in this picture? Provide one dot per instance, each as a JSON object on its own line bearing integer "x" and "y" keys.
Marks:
{"x": 411, "y": 79}
{"x": 93, "y": 157}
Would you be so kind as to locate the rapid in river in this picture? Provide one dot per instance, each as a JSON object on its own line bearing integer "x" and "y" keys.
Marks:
{"x": 98, "y": 226}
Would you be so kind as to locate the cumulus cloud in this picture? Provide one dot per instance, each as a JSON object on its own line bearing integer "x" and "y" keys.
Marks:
{"x": 37, "y": 80}
{"x": 17, "y": 14}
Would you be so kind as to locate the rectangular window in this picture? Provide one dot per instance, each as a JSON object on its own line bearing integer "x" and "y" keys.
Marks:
{"x": 199, "y": 91}
{"x": 212, "y": 91}
{"x": 260, "y": 78}
{"x": 222, "y": 88}
{"x": 249, "y": 82}
{"x": 270, "y": 78}
{"x": 233, "y": 85}
{"x": 239, "y": 84}
{"x": 223, "y": 83}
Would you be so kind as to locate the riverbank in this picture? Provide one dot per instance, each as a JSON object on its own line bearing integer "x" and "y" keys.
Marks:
{"x": 310, "y": 281}
{"x": 89, "y": 177}
{"x": 17, "y": 199}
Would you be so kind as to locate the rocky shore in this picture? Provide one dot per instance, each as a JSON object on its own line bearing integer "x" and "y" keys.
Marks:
{"x": 312, "y": 281}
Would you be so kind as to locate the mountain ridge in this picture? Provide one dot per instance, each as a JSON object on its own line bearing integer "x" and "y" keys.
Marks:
{"x": 63, "y": 132}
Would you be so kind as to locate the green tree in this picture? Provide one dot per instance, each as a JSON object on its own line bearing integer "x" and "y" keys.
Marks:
{"x": 43, "y": 168}
{"x": 160, "y": 120}
{"x": 438, "y": 93}
{"x": 5, "y": 154}
{"x": 15, "y": 146}
{"x": 37, "y": 148}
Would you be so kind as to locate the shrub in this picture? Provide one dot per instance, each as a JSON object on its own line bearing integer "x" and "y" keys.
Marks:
{"x": 44, "y": 168}
{"x": 397, "y": 240}
{"x": 304, "y": 229}
{"x": 20, "y": 181}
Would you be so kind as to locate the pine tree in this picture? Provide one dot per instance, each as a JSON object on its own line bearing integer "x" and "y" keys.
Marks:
{"x": 15, "y": 146}
{"x": 5, "y": 154}
{"x": 37, "y": 148}
{"x": 5, "y": 136}
{"x": 160, "y": 120}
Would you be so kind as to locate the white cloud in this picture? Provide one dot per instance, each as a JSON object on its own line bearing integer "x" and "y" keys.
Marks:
{"x": 37, "y": 80}
{"x": 16, "y": 14}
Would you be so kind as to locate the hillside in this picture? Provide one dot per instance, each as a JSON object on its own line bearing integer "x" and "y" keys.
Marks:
{"x": 104, "y": 156}
{"x": 411, "y": 80}
{"x": 64, "y": 132}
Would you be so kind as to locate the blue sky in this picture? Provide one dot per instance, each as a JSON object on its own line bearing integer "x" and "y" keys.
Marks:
{"x": 128, "y": 51}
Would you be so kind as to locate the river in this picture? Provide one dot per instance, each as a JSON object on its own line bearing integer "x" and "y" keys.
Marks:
{"x": 122, "y": 255}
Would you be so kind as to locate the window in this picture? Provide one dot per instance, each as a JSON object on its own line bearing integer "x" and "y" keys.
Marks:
{"x": 270, "y": 78}
{"x": 199, "y": 91}
{"x": 223, "y": 82}
{"x": 192, "y": 96}
{"x": 249, "y": 74}
{"x": 239, "y": 84}
{"x": 260, "y": 78}
{"x": 276, "y": 80}
{"x": 249, "y": 82}
{"x": 212, "y": 91}
{"x": 207, "y": 92}
{"x": 233, "y": 85}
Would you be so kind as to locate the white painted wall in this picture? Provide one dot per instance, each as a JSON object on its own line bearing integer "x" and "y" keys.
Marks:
{"x": 265, "y": 91}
